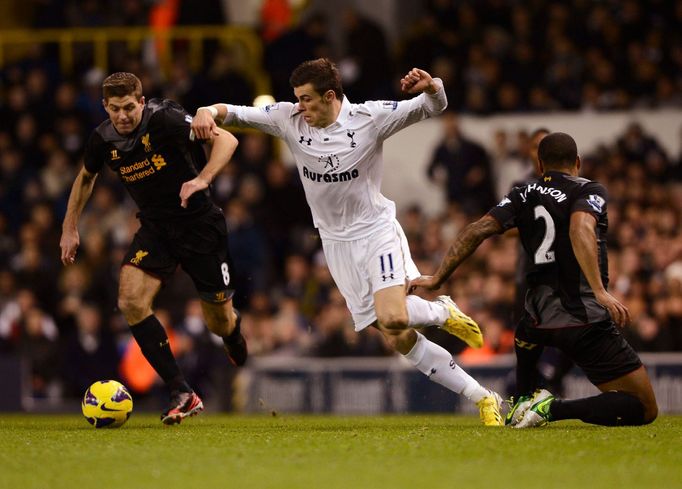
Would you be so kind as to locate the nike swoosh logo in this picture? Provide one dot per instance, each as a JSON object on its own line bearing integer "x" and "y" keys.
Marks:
{"x": 105, "y": 408}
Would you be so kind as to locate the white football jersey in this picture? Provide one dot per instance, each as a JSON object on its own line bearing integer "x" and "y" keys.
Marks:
{"x": 341, "y": 165}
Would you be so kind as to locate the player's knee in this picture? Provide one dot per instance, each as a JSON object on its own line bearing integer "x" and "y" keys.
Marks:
{"x": 647, "y": 408}
{"x": 393, "y": 322}
{"x": 133, "y": 309}
{"x": 650, "y": 411}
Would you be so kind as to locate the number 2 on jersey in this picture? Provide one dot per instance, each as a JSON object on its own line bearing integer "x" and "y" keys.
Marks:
{"x": 543, "y": 254}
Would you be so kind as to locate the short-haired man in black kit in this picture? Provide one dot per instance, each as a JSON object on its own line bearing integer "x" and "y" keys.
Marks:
{"x": 562, "y": 225}
{"x": 548, "y": 366}
{"x": 152, "y": 150}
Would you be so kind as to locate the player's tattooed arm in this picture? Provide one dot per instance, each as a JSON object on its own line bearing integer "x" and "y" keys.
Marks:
{"x": 464, "y": 245}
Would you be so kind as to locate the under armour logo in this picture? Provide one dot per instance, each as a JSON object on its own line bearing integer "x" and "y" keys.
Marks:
{"x": 433, "y": 371}
{"x": 452, "y": 364}
{"x": 353, "y": 144}
{"x": 304, "y": 140}
{"x": 386, "y": 277}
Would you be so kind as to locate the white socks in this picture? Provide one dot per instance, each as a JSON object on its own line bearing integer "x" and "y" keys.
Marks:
{"x": 435, "y": 362}
{"x": 421, "y": 312}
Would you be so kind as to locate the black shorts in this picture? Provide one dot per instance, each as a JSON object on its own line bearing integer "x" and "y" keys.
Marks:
{"x": 598, "y": 349}
{"x": 199, "y": 245}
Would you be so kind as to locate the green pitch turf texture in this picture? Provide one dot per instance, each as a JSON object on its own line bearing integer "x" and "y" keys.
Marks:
{"x": 220, "y": 451}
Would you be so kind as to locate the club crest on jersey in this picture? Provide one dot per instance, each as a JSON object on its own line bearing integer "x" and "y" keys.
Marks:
{"x": 596, "y": 202}
{"x": 351, "y": 135}
{"x": 147, "y": 144}
{"x": 114, "y": 155}
{"x": 139, "y": 255}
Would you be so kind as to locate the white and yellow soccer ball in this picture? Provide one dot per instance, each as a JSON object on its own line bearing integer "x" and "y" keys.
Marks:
{"x": 107, "y": 404}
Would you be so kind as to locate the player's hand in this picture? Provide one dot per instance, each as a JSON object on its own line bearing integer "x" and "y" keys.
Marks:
{"x": 190, "y": 187}
{"x": 417, "y": 81}
{"x": 429, "y": 282}
{"x": 69, "y": 244}
{"x": 203, "y": 126}
{"x": 619, "y": 313}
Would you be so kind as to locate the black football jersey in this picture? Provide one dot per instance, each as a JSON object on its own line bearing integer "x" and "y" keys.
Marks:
{"x": 153, "y": 161}
{"x": 558, "y": 292}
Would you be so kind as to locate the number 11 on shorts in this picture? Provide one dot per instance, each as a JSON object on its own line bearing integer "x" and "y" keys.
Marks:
{"x": 386, "y": 261}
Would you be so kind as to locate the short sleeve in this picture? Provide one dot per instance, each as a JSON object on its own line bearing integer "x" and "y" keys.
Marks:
{"x": 271, "y": 119}
{"x": 391, "y": 116}
{"x": 176, "y": 122}
{"x": 506, "y": 212}
{"x": 95, "y": 153}
{"x": 592, "y": 198}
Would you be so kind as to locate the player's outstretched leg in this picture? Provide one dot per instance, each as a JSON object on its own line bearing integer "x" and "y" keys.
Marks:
{"x": 444, "y": 313}
{"x": 438, "y": 365}
{"x": 182, "y": 405}
{"x": 626, "y": 401}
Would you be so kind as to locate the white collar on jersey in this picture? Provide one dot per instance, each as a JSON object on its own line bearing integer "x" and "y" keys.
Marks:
{"x": 344, "y": 113}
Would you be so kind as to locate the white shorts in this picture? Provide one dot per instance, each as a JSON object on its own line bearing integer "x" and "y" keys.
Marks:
{"x": 362, "y": 267}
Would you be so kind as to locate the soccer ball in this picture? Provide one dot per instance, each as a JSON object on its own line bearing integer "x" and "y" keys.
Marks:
{"x": 107, "y": 404}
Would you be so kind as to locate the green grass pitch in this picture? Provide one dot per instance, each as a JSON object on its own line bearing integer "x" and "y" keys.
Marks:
{"x": 221, "y": 451}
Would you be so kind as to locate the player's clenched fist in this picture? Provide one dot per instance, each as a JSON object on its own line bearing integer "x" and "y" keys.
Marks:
{"x": 203, "y": 123}
{"x": 416, "y": 81}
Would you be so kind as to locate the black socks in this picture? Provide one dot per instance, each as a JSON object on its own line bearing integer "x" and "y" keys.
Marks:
{"x": 155, "y": 347}
{"x": 236, "y": 332}
{"x": 527, "y": 356}
{"x": 607, "y": 409}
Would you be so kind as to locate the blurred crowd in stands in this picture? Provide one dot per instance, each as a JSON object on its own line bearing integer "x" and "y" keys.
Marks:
{"x": 494, "y": 56}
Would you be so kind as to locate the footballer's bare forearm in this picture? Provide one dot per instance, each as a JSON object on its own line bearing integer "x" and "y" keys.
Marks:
{"x": 465, "y": 244}
{"x": 223, "y": 147}
{"x": 584, "y": 244}
{"x": 80, "y": 193}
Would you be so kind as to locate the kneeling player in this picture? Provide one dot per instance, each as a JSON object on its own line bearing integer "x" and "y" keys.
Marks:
{"x": 562, "y": 225}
